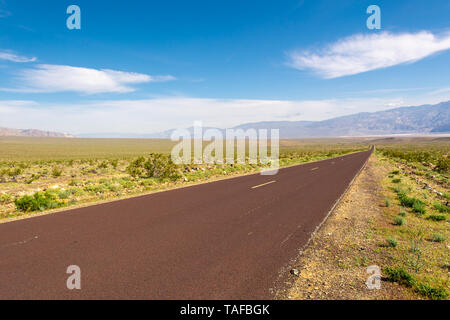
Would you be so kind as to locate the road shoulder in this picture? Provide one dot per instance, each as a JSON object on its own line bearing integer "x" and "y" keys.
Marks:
{"x": 334, "y": 264}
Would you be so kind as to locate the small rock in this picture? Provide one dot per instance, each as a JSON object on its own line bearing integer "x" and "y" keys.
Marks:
{"x": 295, "y": 272}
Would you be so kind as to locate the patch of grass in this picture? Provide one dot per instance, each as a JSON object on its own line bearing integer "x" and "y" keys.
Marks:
{"x": 400, "y": 276}
{"x": 64, "y": 194}
{"x": 399, "y": 221}
{"x": 397, "y": 180}
{"x": 408, "y": 201}
{"x": 395, "y": 172}
{"x": 56, "y": 172}
{"x": 419, "y": 207}
{"x": 402, "y": 214}
{"x": 442, "y": 208}
{"x": 392, "y": 242}
{"x": 5, "y": 198}
{"x": 437, "y": 217}
{"x": 431, "y": 292}
{"x": 387, "y": 202}
{"x": 437, "y": 237}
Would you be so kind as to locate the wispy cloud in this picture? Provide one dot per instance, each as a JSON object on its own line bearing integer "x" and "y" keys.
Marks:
{"x": 9, "y": 56}
{"x": 361, "y": 53}
{"x": 61, "y": 78}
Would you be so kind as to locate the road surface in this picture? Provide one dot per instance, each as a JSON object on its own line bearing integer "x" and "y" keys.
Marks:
{"x": 221, "y": 240}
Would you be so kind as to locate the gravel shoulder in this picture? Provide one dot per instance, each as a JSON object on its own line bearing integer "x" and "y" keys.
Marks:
{"x": 334, "y": 264}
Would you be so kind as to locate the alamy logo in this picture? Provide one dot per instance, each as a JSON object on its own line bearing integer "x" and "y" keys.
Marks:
{"x": 374, "y": 21}
{"x": 74, "y": 280}
{"x": 374, "y": 280}
{"x": 74, "y": 20}
{"x": 235, "y": 142}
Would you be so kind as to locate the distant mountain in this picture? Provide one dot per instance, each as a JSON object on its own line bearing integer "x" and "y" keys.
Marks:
{"x": 32, "y": 133}
{"x": 405, "y": 120}
{"x": 425, "y": 119}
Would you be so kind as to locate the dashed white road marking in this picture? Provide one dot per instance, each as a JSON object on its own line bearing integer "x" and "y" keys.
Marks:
{"x": 264, "y": 184}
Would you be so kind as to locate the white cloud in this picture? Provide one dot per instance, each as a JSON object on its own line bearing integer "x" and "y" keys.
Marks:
{"x": 361, "y": 53}
{"x": 5, "y": 55}
{"x": 153, "y": 115}
{"x": 60, "y": 78}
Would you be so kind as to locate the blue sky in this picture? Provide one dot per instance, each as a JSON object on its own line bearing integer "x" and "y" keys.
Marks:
{"x": 146, "y": 66}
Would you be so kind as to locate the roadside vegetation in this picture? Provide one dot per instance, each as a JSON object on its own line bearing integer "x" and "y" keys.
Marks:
{"x": 395, "y": 217}
{"x": 44, "y": 174}
{"x": 418, "y": 187}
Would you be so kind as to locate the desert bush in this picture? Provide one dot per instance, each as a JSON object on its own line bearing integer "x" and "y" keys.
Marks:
{"x": 38, "y": 202}
{"x": 64, "y": 194}
{"x": 443, "y": 165}
{"x": 411, "y": 202}
{"x": 154, "y": 166}
{"x": 399, "y": 221}
{"x": 442, "y": 208}
{"x": 5, "y": 198}
{"x": 437, "y": 237}
{"x": 419, "y": 207}
{"x": 103, "y": 165}
{"x": 392, "y": 242}
{"x": 33, "y": 177}
{"x": 437, "y": 217}
{"x": 431, "y": 292}
{"x": 56, "y": 172}
{"x": 114, "y": 163}
{"x": 400, "y": 276}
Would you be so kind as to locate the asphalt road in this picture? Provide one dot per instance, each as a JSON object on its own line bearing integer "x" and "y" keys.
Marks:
{"x": 221, "y": 240}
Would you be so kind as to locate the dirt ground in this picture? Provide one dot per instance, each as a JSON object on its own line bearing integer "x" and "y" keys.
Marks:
{"x": 334, "y": 264}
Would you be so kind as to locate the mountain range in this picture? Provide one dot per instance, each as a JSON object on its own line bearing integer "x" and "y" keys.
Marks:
{"x": 7, "y": 132}
{"x": 425, "y": 119}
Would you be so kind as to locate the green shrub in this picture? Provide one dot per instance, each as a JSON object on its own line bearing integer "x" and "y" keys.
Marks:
{"x": 442, "y": 208}
{"x": 399, "y": 221}
{"x": 431, "y": 292}
{"x": 38, "y": 202}
{"x": 402, "y": 214}
{"x": 114, "y": 163}
{"x": 387, "y": 202}
{"x": 437, "y": 237}
{"x": 392, "y": 242}
{"x": 56, "y": 172}
{"x": 400, "y": 276}
{"x": 443, "y": 165}
{"x": 154, "y": 166}
{"x": 5, "y": 198}
{"x": 437, "y": 217}
{"x": 419, "y": 207}
{"x": 15, "y": 172}
{"x": 411, "y": 202}
{"x": 395, "y": 172}
{"x": 64, "y": 195}
{"x": 103, "y": 165}
{"x": 396, "y": 180}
